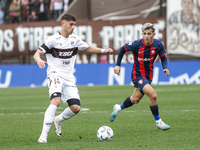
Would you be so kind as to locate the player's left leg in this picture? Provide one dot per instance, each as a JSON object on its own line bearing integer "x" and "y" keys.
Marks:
{"x": 152, "y": 95}
{"x": 69, "y": 112}
{"x": 71, "y": 97}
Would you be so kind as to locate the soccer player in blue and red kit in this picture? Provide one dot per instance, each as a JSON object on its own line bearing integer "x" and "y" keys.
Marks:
{"x": 144, "y": 51}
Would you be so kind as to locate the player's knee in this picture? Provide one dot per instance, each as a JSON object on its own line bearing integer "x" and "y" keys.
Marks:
{"x": 134, "y": 100}
{"x": 55, "y": 98}
{"x": 74, "y": 105}
{"x": 56, "y": 101}
{"x": 75, "y": 108}
{"x": 154, "y": 97}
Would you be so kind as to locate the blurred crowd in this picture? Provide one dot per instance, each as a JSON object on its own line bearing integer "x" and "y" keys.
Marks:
{"x": 14, "y": 11}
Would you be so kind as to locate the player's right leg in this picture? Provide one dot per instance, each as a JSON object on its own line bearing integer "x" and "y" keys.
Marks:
{"x": 134, "y": 99}
{"x": 70, "y": 97}
{"x": 48, "y": 119}
{"x": 150, "y": 92}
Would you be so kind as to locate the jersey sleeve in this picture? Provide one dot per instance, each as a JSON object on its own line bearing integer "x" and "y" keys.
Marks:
{"x": 162, "y": 54}
{"x": 125, "y": 48}
{"x": 81, "y": 44}
{"x": 120, "y": 55}
{"x": 129, "y": 46}
{"x": 162, "y": 51}
{"x": 47, "y": 45}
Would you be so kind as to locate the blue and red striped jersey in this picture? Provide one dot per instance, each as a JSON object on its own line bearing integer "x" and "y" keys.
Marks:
{"x": 144, "y": 57}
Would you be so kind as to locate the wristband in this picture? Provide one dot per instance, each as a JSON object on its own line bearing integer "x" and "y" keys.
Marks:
{"x": 102, "y": 50}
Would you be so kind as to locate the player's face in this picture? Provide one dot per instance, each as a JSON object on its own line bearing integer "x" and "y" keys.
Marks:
{"x": 68, "y": 26}
{"x": 148, "y": 36}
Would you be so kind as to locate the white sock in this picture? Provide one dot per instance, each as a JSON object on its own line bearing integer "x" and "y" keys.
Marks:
{"x": 48, "y": 119}
{"x": 158, "y": 121}
{"x": 65, "y": 115}
{"x": 119, "y": 108}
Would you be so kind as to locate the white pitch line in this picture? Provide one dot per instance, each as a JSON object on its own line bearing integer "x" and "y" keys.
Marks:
{"x": 27, "y": 108}
{"x": 96, "y": 112}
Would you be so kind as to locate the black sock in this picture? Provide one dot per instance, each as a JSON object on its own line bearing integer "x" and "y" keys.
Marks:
{"x": 127, "y": 103}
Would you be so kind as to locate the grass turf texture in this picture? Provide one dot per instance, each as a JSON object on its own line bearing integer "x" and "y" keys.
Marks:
{"x": 22, "y": 111}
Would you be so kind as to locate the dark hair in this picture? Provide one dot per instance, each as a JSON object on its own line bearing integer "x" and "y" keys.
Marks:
{"x": 68, "y": 17}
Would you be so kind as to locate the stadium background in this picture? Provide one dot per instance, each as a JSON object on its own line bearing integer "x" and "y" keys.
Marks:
{"x": 101, "y": 25}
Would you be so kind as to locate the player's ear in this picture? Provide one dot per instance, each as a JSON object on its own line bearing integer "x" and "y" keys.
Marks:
{"x": 62, "y": 23}
{"x": 154, "y": 34}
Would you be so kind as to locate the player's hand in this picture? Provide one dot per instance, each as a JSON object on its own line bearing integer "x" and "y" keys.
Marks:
{"x": 109, "y": 50}
{"x": 117, "y": 70}
{"x": 41, "y": 63}
{"x": 166, "y": 71}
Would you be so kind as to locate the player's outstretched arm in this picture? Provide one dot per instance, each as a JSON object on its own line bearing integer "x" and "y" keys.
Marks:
{"x": 37, "y": 57}
{"x": 93, "y": 49}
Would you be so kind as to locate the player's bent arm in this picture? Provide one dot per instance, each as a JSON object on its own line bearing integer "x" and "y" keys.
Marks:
{"x": 93, "y": 49}
{"x": 165, "y": 65}
{"x": 164, "y": 62}
{"x": 119, "y": 59}
{"x": 120, "y": 55}
{"x": 37, "y": 57}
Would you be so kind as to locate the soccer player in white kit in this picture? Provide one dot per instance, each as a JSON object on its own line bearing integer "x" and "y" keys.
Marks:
{"x": 61, "y": 50}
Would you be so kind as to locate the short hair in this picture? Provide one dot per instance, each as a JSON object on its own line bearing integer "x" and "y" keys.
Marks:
{"x": 68, "y": 17}
{"x": 147, "y": 26}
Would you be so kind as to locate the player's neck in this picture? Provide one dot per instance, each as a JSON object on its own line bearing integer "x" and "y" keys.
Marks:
{"x": 64, "y": 34}
{"x": 148, "y": 43}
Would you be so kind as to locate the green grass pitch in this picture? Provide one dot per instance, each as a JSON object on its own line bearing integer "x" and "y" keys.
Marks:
{"x": 22, "y": 111}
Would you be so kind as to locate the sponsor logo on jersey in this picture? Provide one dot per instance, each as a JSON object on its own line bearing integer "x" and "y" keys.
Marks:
{"x": 145, "y": 59}
{"x": 65, "y": 53}
{"x": 64, "y": 63}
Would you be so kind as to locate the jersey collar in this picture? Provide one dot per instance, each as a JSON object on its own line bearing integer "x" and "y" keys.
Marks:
{"x": 145, "y": 44}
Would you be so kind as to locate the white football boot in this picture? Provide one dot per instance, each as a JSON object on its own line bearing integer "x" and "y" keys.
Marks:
{"x": 42, "y": 139}
{"x": 116, "y": 110}
{"x": 58, "y": 130}
{"x": 161, "y": 125}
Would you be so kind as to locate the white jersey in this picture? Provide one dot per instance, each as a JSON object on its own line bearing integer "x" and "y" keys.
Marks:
{"x": 61, "y": 55}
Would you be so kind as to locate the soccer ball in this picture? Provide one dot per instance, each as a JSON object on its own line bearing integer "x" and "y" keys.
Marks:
{"x": 105, "y": 133}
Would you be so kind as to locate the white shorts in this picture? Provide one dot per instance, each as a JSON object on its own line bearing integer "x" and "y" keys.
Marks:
{"x": 58, "y": 84}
